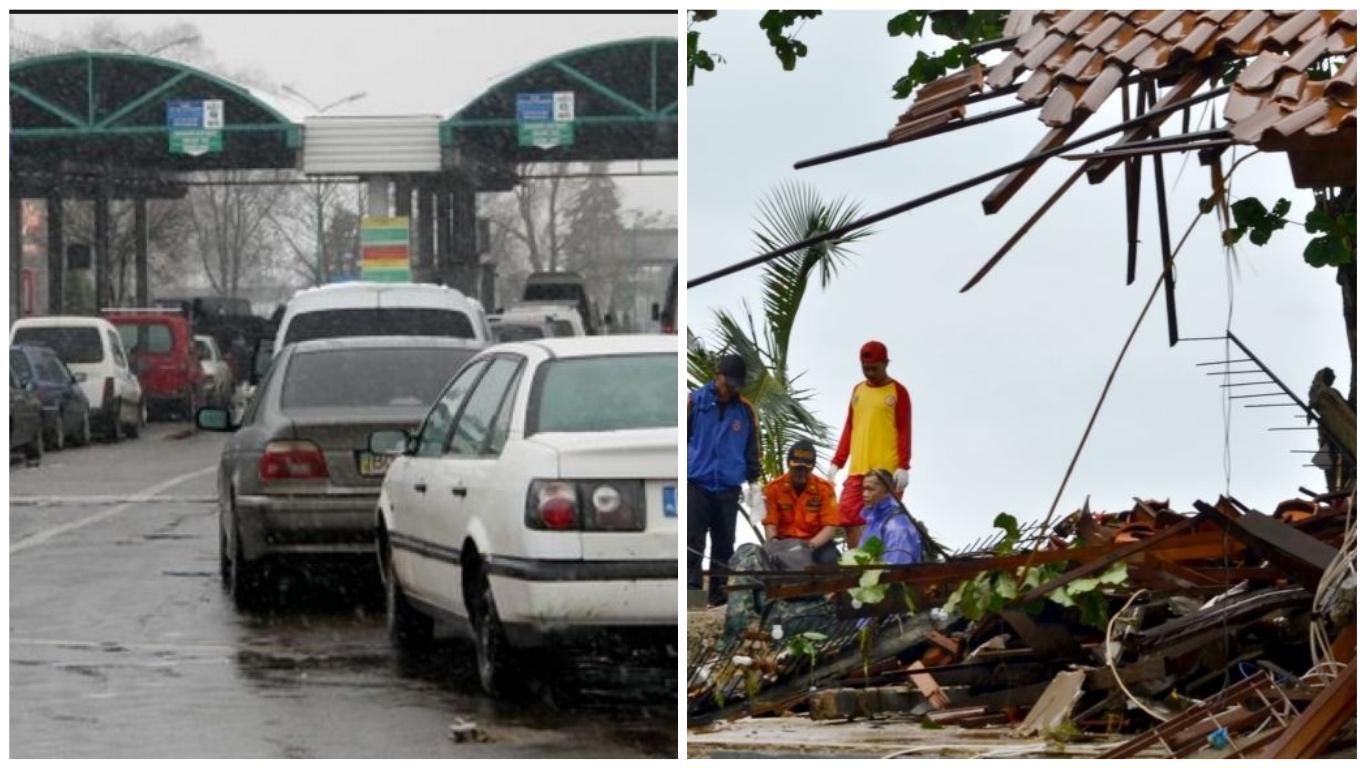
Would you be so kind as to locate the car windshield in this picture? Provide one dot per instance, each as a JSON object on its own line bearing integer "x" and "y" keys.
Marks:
{"x": 399, "y": 321}
{"x": 517, "y": 332}
{"x": 599, "y": 394}
{"x": 159, "y": 339}
{"x": 344, "y": 378}
{"x": 72, "y": 345}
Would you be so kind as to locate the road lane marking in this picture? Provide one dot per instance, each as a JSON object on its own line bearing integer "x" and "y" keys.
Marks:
{"x": 42, "y": 537}
{"x": 107, "y": 646}
{"x": 53, "y": 501}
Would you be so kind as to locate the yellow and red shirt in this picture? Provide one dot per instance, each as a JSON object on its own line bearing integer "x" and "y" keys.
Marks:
{"x": 877, "y": 430}
{"x": 800, "y": 515}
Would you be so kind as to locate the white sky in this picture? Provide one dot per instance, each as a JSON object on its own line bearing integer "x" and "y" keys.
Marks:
{"x": 406, "y": 64}
{"x": 1004, "y": 377}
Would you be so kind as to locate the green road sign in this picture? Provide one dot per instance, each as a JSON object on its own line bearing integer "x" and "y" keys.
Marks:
{"x": 195, "y": 143}
{"x": 545, "y": 135}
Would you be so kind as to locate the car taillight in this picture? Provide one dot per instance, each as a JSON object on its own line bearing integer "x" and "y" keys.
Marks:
{"x": 586, "y": 505}
{"x": 552, "y": 506}
{"x": 292, "y": 460}
{"x": 108, "y": 391}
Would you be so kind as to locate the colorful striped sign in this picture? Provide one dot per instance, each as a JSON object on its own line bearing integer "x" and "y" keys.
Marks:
{"x": 384, "y": 249}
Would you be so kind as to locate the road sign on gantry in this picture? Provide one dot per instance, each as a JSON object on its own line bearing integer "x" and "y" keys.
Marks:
{"x": 195, "y": 127}
{"x": 384, "y": 249}
{"x": 545, "y": 120}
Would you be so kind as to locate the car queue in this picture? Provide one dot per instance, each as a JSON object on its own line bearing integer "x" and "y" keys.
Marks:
{"x": 521, "y": 494}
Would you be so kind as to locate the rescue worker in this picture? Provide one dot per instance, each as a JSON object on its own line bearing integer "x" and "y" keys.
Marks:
{"x": 877, "y": 433}
{"x": 799, "y": 505}
{"x": 723, "y": 453}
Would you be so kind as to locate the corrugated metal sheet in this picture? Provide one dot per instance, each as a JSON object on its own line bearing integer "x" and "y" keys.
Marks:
{"x": 384, "y": 144}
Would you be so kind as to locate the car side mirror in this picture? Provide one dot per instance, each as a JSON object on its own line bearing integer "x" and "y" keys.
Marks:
{"x": 389, "y": 442}
{"x": 214, "y": 420}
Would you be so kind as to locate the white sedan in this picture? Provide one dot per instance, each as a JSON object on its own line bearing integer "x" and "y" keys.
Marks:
{"x": 538, "y": 502}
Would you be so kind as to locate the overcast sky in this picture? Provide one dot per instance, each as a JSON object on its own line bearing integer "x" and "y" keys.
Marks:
{"x": 1004, "y": 377}
{"x": 406, "y": 64}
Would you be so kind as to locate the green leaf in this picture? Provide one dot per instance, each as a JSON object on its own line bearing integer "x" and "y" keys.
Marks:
{"x": 873, "y": 546}
{"x": 1061, "y": 597}
{"x": 1078, "y": 586}
{"x": 1115, "y": 574}
{"x": 1006, "y": 587}
{"x": 1095, "y": 609}
{"x": 815, "y": 637}
{"x": 869, "y": 578}
{"x": 1317, "y": 220}
{"x": 1281, "y": 208}
{"x": 1327, "y": 251}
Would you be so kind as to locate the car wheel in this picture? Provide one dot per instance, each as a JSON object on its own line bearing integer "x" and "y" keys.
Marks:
{"x": 492, "y": 654}
{"x": 135, "y": 428}
{"x": 83, "y": 435}
{"x": 409, "y": 630}
{"x": 224, "y": 562}
{"x": 115, "y": 432}
{"x": 244, "y": 579}
{"x": 59, "y": 433}
{"x": 33, "y": 452}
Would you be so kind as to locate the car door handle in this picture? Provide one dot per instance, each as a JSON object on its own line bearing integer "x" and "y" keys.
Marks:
{"x": 459, "y": 490}
{"x": 420, "y": 487}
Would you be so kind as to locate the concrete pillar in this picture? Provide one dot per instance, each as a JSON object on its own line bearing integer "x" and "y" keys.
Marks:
{"x": 140, "y": 241}
{"x": 103, "y": 258}
{"x": 465, "y": 239}
{"x": 444, "y": 246}
{"x": 377, "y": 196}
{"x": 16, "y": 257}
{"x": 422, "y": 264}
{"x": 56, "y": 256}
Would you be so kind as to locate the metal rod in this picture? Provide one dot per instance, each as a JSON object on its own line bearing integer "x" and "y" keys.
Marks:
{"x": 873, "y": 146}
{"x": 1168, "y": 275}
{"x": 1249, "y": 384}
{"x": 1263, "y": 394}
{"x": 1204, "y": 338}
{"x": 1271, "y": 405}
{"x": 1106, "y": 154}
{"x": 1032, "y": 159}
{"x": 1232, "y": 373}
{"x": 1225, "y": 362}
{"x": 1290, "y": 429}
{"x": 991, "y": 45}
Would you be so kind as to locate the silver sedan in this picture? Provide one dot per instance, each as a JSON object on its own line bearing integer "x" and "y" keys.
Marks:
{"x": 297, "y": 477}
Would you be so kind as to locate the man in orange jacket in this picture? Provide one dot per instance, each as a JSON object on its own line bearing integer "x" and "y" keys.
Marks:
{"x": 799, "y": 505}
{"x": 877, "y": 435}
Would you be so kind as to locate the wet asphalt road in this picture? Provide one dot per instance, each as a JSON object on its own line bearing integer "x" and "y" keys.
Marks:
{"x": 123, "y": 644}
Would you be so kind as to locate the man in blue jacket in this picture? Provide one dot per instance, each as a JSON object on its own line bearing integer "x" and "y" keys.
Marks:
{"x": 723, "y": 453}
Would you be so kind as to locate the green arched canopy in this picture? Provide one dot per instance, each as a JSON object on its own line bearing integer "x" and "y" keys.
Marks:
{"x": 103, "y": 109}
{"x": 625, "y": 107}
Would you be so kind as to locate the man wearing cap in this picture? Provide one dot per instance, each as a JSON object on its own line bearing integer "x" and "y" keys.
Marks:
{"x": 800, "y": 505}
{"x": 877, "y": 435}
{"x": 723, "y": 453}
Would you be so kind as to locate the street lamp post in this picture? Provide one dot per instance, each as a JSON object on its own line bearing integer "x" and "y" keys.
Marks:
{"x": 318, "y": 189}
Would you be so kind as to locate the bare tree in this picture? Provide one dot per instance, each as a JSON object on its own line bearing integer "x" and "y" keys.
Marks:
{"x": 229, "y": 222}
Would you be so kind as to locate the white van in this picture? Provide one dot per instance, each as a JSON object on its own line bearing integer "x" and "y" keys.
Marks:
{"x": 522, "y": 322}
{"x": 92, "y": 348}
{"x": 381, "y": 309}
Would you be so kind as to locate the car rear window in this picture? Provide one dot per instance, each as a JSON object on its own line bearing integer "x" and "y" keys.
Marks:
{"x": 517, "y": 332}
{"x": 341, "y": 378}
{"x": 159, "y": 338}
{"x": 373, "y": 321}
{"x": 72, "y": 345}
{"x": 599, "y": 394}
{"x": 562, "y": 327}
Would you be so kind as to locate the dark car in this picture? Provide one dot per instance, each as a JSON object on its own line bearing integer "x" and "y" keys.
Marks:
{"x": 297, "y": 479}
{"x": 25, "y": 421}
{"x": 66, "y": 411}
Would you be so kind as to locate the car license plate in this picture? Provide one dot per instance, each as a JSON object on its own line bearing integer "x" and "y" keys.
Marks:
{"x": 670, "y": 501}
{"x": 373, "y": 464}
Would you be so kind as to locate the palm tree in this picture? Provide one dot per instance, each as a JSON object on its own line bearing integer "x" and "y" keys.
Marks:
{"x": 792, "y": 212}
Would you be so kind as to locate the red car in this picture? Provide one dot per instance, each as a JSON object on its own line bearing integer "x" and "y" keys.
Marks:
{"x": 160, "y": 343}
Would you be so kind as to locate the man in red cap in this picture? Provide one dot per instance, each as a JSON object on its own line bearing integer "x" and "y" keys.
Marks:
{"x": 877, "y": 435}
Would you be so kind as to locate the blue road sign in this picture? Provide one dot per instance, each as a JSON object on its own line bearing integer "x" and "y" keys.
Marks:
{"x": 185, "y": 114}
{"x": 535, "y": 107}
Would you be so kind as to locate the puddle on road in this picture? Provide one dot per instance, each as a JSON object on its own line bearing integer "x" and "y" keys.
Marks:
{"x": 313, "y": 635}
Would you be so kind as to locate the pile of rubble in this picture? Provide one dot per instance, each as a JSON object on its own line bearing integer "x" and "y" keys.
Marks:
{"x": 1217, "y": 632}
